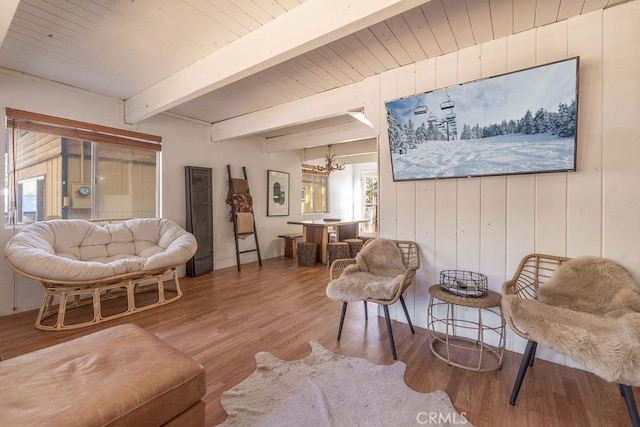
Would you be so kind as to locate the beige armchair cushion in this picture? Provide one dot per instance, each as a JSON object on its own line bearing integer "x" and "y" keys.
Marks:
{"x": 589, "y": 311}
{"x": 592, "y": 285}
{"x": 377, "y": 274}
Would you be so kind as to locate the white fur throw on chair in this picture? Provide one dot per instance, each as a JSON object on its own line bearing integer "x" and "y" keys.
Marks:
{"x": 590, "y": 312}
{"x": 377, "y": 273}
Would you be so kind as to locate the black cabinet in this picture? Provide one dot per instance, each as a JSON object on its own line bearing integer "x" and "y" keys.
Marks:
{"x": 199, "y": 195}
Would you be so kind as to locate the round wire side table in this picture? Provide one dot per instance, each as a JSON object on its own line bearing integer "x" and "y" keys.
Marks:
{"x": 461, "y": 339}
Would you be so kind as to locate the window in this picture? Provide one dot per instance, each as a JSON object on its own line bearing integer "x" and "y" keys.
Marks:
{"x": 370, "y": 202}
{"x": 30, "y": 201}
{"x": 58, "y": 168}
{"x": 315, "y": 191}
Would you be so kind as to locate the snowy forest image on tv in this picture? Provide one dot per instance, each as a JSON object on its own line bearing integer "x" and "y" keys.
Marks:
{"x": 522, "y": 122}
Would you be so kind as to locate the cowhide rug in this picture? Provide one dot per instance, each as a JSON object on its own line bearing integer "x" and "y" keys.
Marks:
{"x": 328, "y": 389}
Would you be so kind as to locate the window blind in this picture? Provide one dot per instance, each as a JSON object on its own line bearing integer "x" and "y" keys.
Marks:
{"x": 35, "y": 122}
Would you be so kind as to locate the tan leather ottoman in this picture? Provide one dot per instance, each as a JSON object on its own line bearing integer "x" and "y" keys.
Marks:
{"x": 121, "y": 376}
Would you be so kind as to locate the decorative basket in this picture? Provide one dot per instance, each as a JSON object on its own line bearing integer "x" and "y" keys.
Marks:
{"x": 463, "y": 283}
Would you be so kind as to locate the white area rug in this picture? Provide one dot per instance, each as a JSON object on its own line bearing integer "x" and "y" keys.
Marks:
{"x": 328, "y": 389}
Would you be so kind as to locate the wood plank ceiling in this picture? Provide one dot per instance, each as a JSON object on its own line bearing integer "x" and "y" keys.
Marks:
{"x": 119, "y": 48}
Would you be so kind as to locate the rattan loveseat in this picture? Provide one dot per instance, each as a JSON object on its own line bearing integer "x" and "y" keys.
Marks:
{"x": 80, "y": 262}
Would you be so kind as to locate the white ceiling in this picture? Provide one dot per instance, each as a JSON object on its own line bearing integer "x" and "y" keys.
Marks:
{"x": 212, "y": 60}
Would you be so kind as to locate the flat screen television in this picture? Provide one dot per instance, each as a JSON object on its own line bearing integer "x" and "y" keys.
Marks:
{"x": 515, "y": 123}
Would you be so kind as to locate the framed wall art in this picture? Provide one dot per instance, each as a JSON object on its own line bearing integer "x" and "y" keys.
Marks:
{"x": 516, "y": 123}
{"x": 277, "y": 193}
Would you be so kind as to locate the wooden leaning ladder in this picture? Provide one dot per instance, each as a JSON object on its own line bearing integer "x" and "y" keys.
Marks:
{"x": 231, "y": 200}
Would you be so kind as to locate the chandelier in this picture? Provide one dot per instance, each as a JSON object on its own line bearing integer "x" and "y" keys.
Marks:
{"x": 330, "y": 164}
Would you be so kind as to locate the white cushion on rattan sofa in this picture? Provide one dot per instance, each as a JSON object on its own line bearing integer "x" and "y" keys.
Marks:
{"x": 76, "y": 258}
{"x": 78, "y": 250}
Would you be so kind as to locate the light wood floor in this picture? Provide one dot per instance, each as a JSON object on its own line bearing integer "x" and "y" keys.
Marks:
{"x": 226, "y": 317}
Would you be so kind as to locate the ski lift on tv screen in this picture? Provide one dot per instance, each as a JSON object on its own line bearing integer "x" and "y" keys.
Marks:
{"x": 432, "y": 118}
{"x": 448, "y": 104}
{"x": 420, "y": 108}
{"x": 450, "y": 116}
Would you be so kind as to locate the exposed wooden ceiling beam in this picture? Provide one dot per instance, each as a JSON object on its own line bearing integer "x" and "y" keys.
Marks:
{"x": 358, "y": 158}
{"x": 343, "y": 151}
{"x": 306, "y": 27}
{"x": 7, "y": 12}
{"x": 325, "y": 105}
{"x": 337, "y": 134}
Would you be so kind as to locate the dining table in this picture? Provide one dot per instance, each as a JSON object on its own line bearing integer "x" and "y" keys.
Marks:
{"x": 318, "y": 230}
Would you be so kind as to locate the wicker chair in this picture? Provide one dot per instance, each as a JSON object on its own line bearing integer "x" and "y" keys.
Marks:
{"x": 411, "y": 260}
{"x": 575, "y": 317}
{"x": 534, "y": 271}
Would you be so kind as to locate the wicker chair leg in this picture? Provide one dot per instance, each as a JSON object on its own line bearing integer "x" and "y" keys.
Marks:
{"x": 406, "y": 313}
{"x": 366, "y": 311}
{"x": 344, "y": 310}
{"x": 627, "y": 392}
{"x": 387, "y": 318}
{"x": 526, "y": 360}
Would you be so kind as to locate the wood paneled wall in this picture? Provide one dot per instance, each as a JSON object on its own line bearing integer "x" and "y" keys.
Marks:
{"x": 488, "y": 224}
